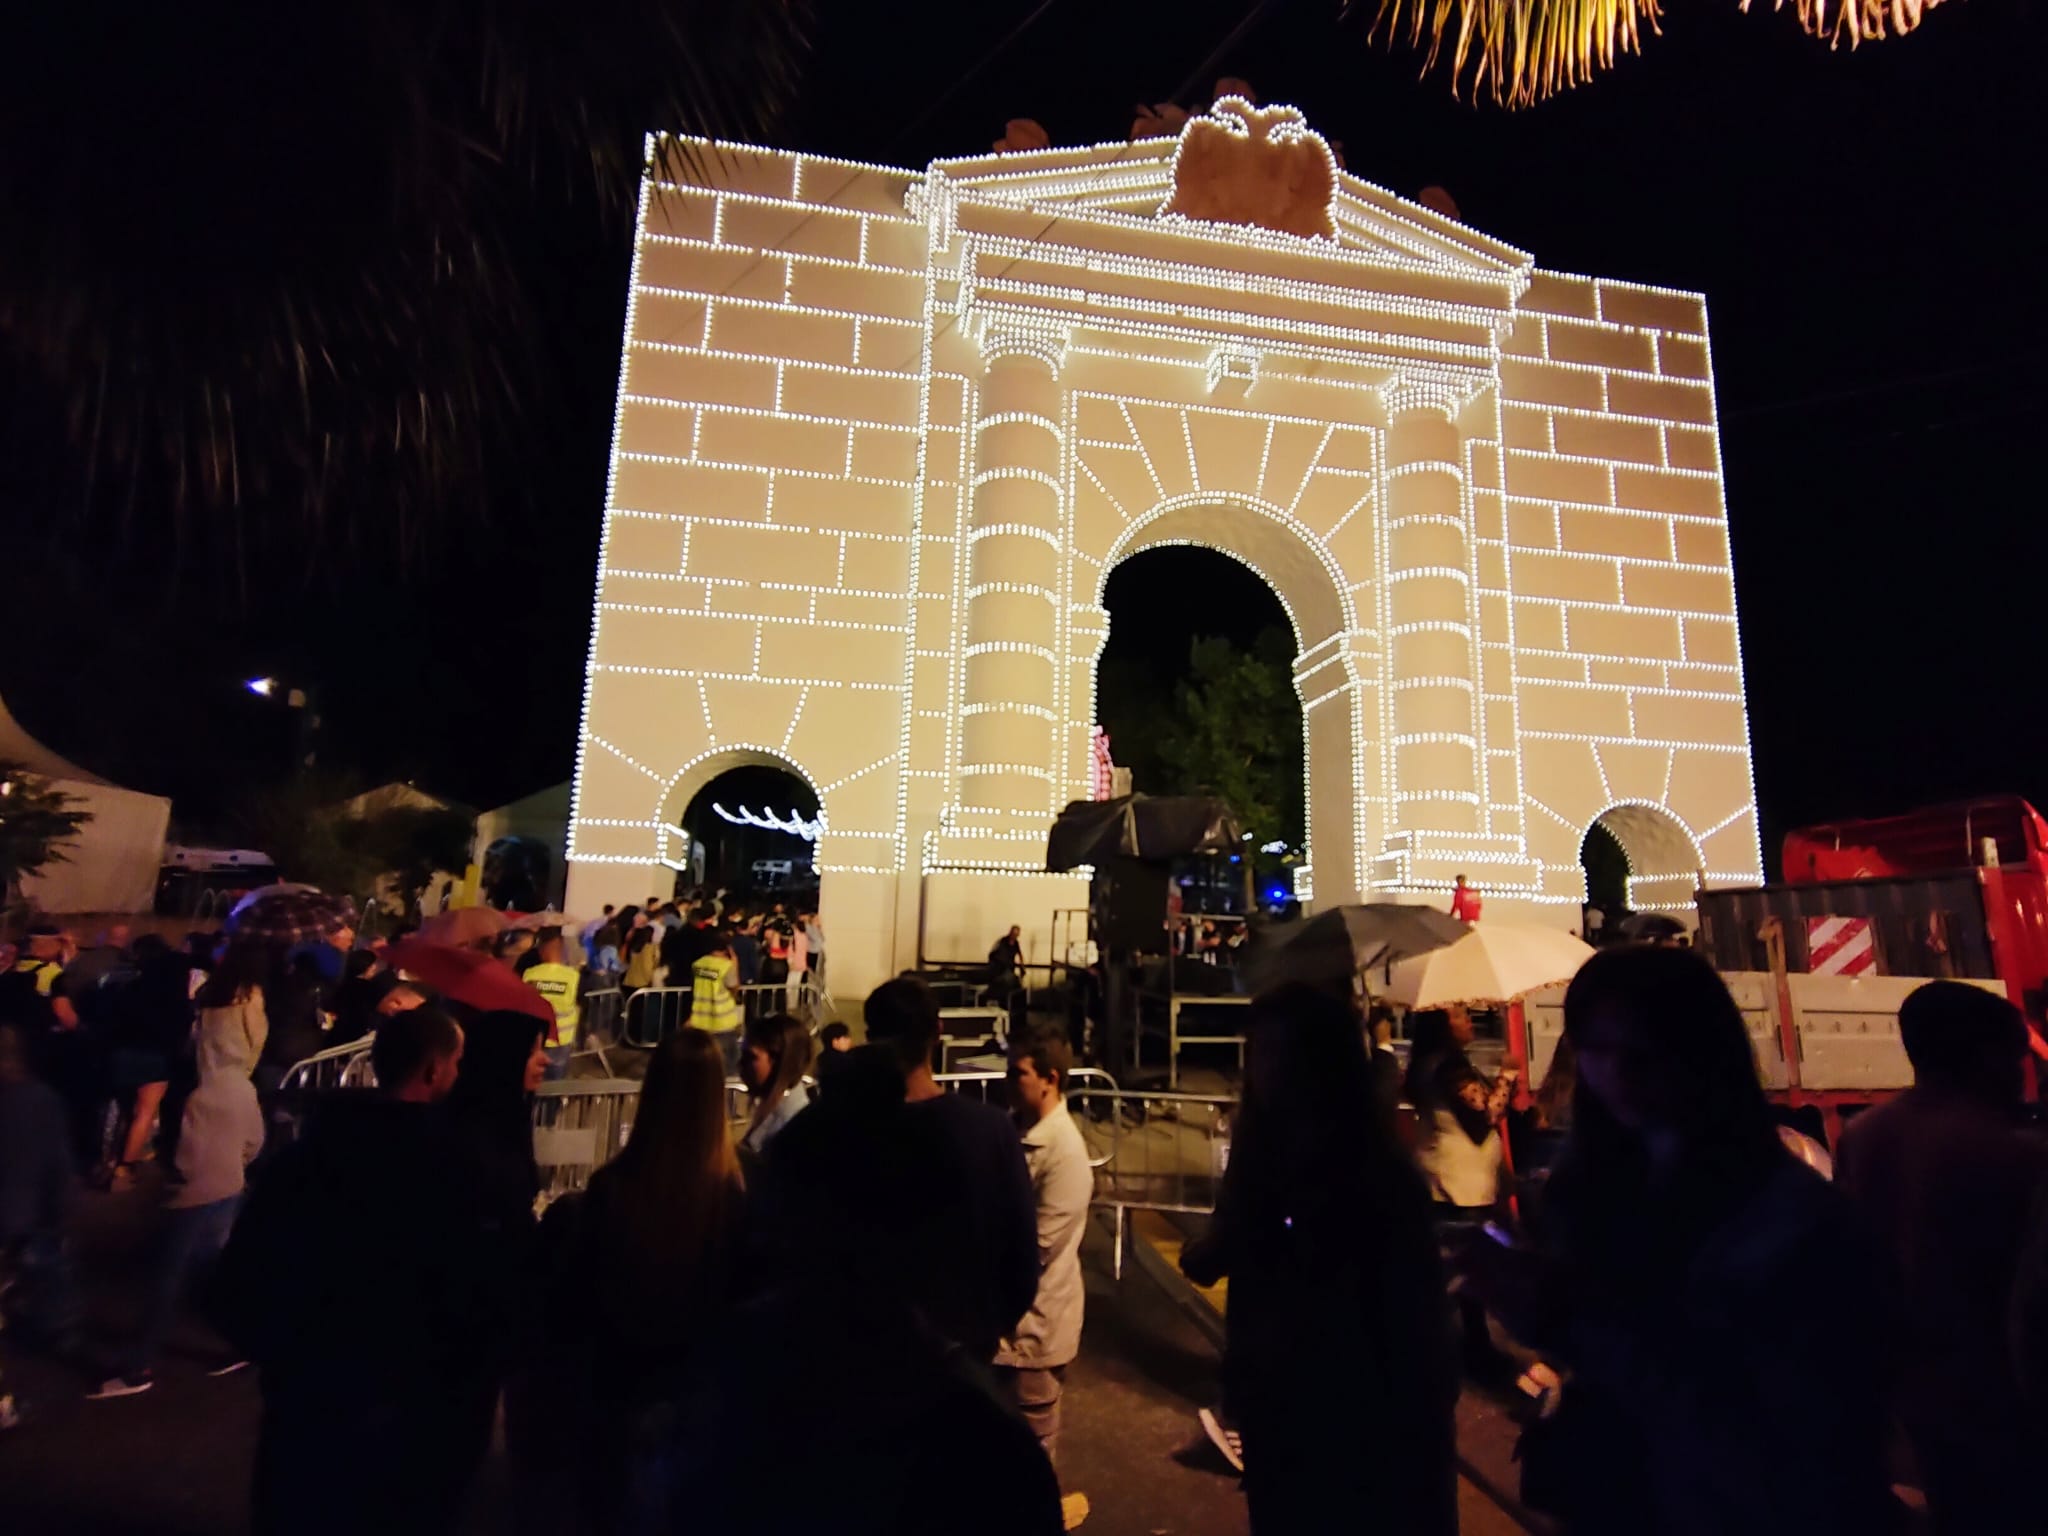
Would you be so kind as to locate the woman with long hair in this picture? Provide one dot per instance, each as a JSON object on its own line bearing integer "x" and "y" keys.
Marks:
{"x": 1458, "y": 1113}
{"x": 642, "y": 956}
{"x": 775, "y": 1053}
{"x": 664, "y": 1221}
{"x": 1711, "y": 1296}
{"x": 239, "y": 984}
{"x": 1336, "y": 1365}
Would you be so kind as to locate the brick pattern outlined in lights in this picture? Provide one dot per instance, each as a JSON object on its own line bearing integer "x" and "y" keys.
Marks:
{"x": 882, "y": 436}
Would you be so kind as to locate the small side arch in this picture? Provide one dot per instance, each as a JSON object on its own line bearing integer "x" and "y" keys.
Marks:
{"x": 1664, "y": 856}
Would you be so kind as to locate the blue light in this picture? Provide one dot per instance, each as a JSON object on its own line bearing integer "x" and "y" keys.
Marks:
{"x": 1235, "y": 859}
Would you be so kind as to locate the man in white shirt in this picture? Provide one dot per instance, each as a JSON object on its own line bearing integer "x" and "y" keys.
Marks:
{"x": 1031, "y": 1363}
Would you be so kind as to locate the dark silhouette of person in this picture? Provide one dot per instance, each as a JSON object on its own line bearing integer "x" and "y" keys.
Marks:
{"x": 1715, "y": 1300}
{"x": 979, "y": 1273}
{"x": 1337, "y": 1366}
{"x": 640, "y": 1271}
{"x": 352, "y": 1281}
{"x": 1947, "y": 1176}
{"x": 900, "y": 1427}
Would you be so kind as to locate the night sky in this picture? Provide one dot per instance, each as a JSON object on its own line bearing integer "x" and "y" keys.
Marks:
{"x": 1857, "y": 221}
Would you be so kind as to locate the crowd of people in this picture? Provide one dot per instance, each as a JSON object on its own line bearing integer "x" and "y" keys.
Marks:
{"x": 1727, "y": 1341}
{"x": 649, "y": 1338}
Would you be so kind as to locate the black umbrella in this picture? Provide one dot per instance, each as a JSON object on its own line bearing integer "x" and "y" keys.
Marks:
{"x": 1339, "y": 944}
{"x": 1651, "y": 927}
{"x": 1141, "y": 827}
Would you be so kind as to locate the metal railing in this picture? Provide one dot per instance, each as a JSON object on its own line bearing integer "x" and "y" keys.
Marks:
{"x": 1153, "y": 1151}
{"x": 603, "y": 1011}
{"x": 330, "y": 1068}
{"x": 652, "y": 1014}
{"x": 578, "y": 1127}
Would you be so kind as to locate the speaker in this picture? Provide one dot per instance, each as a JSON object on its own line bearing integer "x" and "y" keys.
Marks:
{"x": 1127, "y": 903}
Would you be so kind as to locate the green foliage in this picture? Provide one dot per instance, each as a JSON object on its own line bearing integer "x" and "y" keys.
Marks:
{"x": 313, "y": 836}
{"x": 1231, "y": 728}
{"x": 36, "y": 823}
{"x": 414, "y": 843}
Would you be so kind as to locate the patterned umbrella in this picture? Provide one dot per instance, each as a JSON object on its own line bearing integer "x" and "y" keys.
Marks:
{"x": 290, "y": 914}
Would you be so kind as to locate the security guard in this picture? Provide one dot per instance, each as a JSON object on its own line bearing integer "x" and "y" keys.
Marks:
{"x": 30, "y": 997}
{"x": 715, "y": 998}
{"x": 558, "y": 982}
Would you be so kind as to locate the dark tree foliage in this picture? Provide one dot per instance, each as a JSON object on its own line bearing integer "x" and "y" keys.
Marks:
{"x": 273, "y": 271}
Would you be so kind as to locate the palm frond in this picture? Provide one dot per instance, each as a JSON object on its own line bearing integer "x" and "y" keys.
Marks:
{"x": 289, "y": 273}
{"x": 1519, "y": 51}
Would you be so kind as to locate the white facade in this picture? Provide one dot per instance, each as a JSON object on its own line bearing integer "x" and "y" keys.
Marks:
{"x": 882, "y": 436}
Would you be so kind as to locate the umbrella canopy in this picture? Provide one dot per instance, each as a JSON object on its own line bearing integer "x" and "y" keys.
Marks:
{"x": 463, "y": 926}
{"x": 1339, "y": 944}
{"x": 290, "y": 914}
{"x": 1141, "y": 827}
{"x": 470, "y": 977}
{"x": 539, "y": 920}
{"x": 1651, "y": 927}
{"x": 1494, "y": 963}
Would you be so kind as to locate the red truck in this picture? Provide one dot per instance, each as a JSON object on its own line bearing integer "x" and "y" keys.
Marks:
{"x": 1866, "y": 911}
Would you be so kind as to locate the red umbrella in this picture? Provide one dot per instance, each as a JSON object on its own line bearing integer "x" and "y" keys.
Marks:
{"x": 462, "y": 926}
{"x": 470, "y": 977}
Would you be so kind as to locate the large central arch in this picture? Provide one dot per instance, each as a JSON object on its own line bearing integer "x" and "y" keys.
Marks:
{"x": 1320, "y": 609}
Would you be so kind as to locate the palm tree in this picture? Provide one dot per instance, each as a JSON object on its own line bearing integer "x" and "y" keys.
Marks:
{"x": 269, "y": 266}
{"x": 1519, "y": 51}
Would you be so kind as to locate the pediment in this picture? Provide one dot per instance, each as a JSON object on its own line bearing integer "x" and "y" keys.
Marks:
{"x": 1144, "y": 180}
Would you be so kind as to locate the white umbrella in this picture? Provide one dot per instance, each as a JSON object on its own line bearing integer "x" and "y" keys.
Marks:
{"x": 1494, "y": 963}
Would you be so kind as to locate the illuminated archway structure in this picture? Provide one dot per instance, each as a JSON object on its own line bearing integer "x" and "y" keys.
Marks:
{"x": 882, "y": 433}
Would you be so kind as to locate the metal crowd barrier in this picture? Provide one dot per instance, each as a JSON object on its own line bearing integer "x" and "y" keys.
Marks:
{"x": 598, "y": 1033}
{"x": 1152, "y": 1151}
{"x": 581, "y": 1124}
{"x": 578, "y": 1127}
{"x": 652, "y": 1014}
{"x": 330, "y": 1068}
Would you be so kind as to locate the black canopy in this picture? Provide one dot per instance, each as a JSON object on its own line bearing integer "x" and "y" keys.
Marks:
{"x": 1141, "y": 827}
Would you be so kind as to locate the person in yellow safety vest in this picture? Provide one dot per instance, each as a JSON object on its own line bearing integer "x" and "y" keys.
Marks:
{"x": 558, "y": 982}
{"x": 715, "y": 999}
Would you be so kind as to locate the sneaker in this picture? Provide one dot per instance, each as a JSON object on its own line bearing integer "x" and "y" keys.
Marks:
{"x": 122, "y": 1386}
{"x": 229, "y": 1369}
{"x": 1073, "y": 1510}
{"x": 1224, "y": 1438}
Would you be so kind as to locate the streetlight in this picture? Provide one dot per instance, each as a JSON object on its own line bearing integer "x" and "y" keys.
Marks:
{"x": 294, "y": 698}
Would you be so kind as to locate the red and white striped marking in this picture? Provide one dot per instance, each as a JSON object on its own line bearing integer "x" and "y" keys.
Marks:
{"x": 1840, "y": 946}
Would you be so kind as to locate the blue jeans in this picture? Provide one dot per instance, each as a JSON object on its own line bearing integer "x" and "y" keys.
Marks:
{"x": 194, "y": 1235}
{"x": 729, "y": 1047}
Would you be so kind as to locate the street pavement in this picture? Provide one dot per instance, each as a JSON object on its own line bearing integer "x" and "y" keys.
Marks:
{"x": 175, "y": 1461}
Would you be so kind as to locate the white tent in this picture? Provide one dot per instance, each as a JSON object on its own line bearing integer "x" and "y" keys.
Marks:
{"x": 112, "y": 865}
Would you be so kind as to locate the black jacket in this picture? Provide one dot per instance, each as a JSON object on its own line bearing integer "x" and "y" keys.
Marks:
{"x": 363, "y": 1262}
